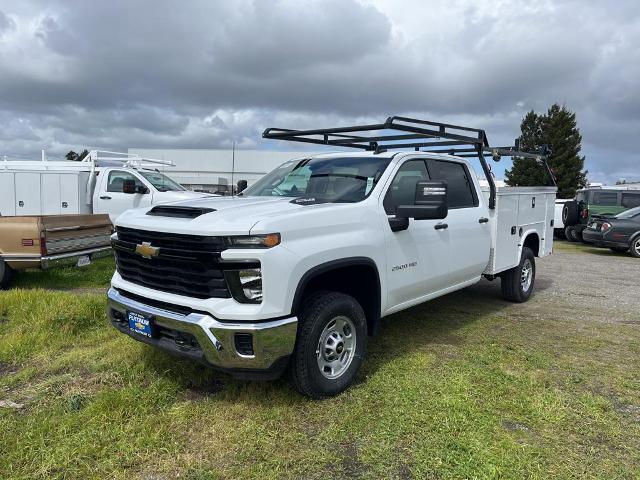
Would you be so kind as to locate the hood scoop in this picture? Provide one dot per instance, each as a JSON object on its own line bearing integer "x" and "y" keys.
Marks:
{"x": 178, "y": 212}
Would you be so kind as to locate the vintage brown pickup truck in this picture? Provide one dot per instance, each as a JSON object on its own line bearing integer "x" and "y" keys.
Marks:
{"x": 44, "y": 241}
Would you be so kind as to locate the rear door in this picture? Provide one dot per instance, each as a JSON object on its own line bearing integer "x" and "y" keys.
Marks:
{"x": 468, "y": 227}
{"x": 418, "y": 257}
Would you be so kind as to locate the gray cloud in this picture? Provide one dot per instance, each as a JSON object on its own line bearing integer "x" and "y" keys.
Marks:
{"x": 121, "y": 73}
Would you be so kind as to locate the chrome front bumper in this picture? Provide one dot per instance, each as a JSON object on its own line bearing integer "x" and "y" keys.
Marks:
{"x": 273, "y": 341}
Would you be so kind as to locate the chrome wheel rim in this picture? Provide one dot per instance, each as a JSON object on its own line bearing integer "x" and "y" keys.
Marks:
{"x": 636, "y": 247}
{"x": 336, "y": 347}
{"x": 526, "y": 275}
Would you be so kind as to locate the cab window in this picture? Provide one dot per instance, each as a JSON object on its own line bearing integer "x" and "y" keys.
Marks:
{"x": 115, "y": 181}
{"x": 402, "y": 190}
{"x": 460, "y": 190}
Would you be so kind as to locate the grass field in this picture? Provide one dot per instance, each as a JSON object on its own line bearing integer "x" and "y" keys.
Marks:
{"x": 466, "y": 386}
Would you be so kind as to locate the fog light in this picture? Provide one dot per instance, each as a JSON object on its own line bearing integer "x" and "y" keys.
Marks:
{"x": 245, "y": 285}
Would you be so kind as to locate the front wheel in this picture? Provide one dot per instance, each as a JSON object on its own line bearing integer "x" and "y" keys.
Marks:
{"x": 330, "y": 346}
{"x": 517, "y": 283}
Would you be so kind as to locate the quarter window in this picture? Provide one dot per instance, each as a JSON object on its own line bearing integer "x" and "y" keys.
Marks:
{"x": 460, "y": 191}
{"x": 402, "y": 190}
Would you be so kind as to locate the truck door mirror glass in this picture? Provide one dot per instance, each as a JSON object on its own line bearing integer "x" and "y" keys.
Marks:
{"x": 242, "y": 185}
{"x": 430, "y": 202}
{"x": 129, "y": 186}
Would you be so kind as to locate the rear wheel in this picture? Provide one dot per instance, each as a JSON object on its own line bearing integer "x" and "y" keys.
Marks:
{"x": 517, "y": 283}
{"x": 330, "y": 346}
{"x": 635, "y": 247}
{"x": 568, "y": 233}
{"x": 6, "y": 275}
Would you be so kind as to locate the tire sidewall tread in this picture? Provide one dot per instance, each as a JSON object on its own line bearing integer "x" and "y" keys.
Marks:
{"x": 317, "y": 310}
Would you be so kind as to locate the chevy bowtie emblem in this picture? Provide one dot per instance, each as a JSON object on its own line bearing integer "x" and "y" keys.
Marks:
{"x": 146, "y": 250}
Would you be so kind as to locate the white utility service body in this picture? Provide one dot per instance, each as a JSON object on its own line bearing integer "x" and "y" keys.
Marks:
{"x": 410, "y": 266}
{"x": 85, "y": 187}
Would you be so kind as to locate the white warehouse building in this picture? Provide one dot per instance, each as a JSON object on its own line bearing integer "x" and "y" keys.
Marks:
{"x": 211, "y": 170}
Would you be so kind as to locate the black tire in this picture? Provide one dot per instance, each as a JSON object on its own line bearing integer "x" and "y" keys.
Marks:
{"x": 514, "y": 287}
{"x": 6, "y": 275}
{"x": 568, "y": 234}
{"x": 577, "y": 236}
{"x": 619, "y": 249}
{"x": 634, "y": 247}
{"x": 318, "y": 312}
{"x": 570, "y": 213}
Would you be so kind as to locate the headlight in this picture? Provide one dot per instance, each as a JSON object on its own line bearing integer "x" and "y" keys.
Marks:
{"x": 254, "y": 241}
{"x": 245, "y": 285}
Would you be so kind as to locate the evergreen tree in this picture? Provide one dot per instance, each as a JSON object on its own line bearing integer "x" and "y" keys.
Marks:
{"x": 525, "y": 172}
{"x": 76, "y": 157}
{"x": 562, "y": 135}
{"x": 558, "y": 130}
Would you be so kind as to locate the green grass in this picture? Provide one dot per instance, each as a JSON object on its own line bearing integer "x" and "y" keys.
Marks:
{"x": 451, "y": 389}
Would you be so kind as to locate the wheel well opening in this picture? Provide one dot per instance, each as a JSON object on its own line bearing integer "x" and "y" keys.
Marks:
{"x": 533, "y": 242}
{"x": 359, "y": 281}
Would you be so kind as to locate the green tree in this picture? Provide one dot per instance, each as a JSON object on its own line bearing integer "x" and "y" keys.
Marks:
{"x": 558, "y": 129}
{"x": 76, "y": 157}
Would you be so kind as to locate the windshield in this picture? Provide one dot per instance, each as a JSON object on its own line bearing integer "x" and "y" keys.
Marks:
{"x": 629, "y": 213}
{"x": 161, "y": 182}
{"x": 343, "y": 179}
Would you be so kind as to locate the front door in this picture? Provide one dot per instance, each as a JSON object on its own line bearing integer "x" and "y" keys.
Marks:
{"x": 417, "y": 258}
{"x": 113, "y": 200}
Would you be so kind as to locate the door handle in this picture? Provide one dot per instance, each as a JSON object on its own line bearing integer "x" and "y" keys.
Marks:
{"x": 441, "y": 226}
{"x": 104, "y": 197}
{"x": 483, "y": 220}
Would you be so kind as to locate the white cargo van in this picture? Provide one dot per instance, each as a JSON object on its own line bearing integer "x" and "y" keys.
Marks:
{"x": 103, "y": 182}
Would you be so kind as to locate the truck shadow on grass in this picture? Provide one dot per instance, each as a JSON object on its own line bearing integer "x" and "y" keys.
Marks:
{"x": 431, "y": 326}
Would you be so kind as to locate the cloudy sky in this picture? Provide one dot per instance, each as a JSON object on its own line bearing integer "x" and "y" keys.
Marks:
{"x": 201, "y": 74}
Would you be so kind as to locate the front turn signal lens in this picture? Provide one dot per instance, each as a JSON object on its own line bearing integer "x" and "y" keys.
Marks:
{"x": 268, "y": 240}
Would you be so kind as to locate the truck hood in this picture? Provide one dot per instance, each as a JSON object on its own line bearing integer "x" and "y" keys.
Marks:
{"x": 230, "y": 215}
{"x": 176, "y": 196}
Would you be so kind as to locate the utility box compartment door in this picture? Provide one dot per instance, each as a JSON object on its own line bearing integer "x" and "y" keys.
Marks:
{"x": 506, "y": 247}
{"x": 28, "y": 194}
{"x": 7, "y": 194}
{"x": 50, "y": 194}
{"x": 69, "y": 197}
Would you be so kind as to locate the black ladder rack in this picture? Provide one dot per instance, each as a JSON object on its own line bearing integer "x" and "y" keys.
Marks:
{"x": 419, "y": 135}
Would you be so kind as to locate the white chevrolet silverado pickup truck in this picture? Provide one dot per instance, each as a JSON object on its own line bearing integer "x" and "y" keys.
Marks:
{"x": 297, "y": 271}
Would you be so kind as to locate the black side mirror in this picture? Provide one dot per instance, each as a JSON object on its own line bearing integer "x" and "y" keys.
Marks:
{"x": 430, "y": 203}
{"x": 242, "y": 185}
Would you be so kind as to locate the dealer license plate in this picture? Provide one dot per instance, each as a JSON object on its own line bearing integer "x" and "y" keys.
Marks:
{"x": 139, "y": 323}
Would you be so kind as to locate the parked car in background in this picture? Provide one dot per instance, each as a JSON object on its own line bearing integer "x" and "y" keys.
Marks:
{"x": 103, "y": 182}
{"x": 620, "y": 232}
{"x": 604, "y": 201}
{"x": 44, "y": 241}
